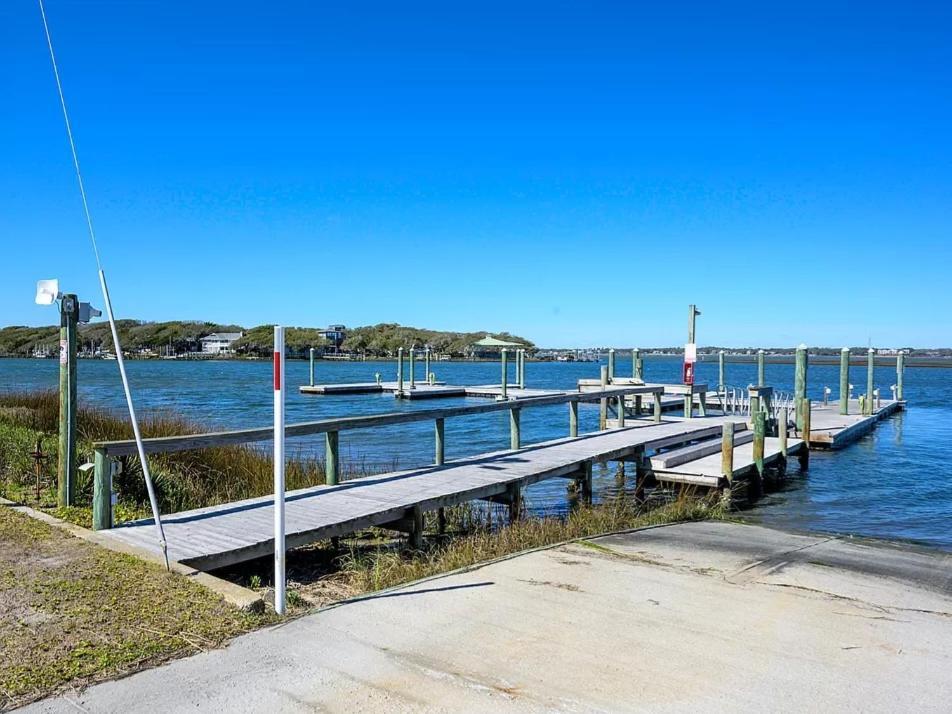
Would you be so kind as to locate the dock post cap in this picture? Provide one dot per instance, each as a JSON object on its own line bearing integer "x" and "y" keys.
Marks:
{"x": 802, "y": 346}
{"x": 760, "y": 352}
{"x": 871, "y": 350}
{"x": 845, "y": 349}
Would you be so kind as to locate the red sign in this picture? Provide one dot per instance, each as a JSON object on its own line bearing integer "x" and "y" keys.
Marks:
{"x": 688, "y": 375}
{"x": 277, "y": 371}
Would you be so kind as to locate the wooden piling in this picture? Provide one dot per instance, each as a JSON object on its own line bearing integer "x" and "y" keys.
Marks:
{"x": 637, "y": 365}
{"x": 870, "y": 355}
{"x": 760, "y": 432}
{"x": 416, "y": 530}
{"x": 514, "y": 493}
{"x": 603, "y": 403}
{"x": 657, "y": 408}
{"x": 761, "y": 370}
{"x": 412, "y": 365}
{"x": 426, "y": 364}
{"x": 311, "y": 353}
{"x": 727, "y": 451}
{"x": 102, "y": 491}
{"x": 611, "y": 365}
{"x": 586, "y": 482}
{"x": 807, "y": 411}
{"x": 621, "y": 410}
{"x": 514, "y": 429}
{"x": 721, "y": 383}
{"x": 438, "y": 434}
{"x": 782, "y": 425}
{"x": 900, "y": 371}
{"x": 800, "y": 382}
{"x": 399, "y": 392}
{"x": 331, "y": 458}
{"x": 573, "y": 418}
{"x": 503, "y": 358}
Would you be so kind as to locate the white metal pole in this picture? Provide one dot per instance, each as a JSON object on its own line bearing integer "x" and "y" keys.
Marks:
{"x": 279, "y": 579}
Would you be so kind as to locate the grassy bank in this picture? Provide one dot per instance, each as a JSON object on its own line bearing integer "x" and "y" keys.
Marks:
{"x": 184, "y": 480}
{"x": 71, "y": 612}
{"x": 375, "y": 560}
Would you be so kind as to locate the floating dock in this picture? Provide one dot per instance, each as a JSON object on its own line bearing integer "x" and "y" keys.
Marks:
{"x": 832, "y": 430}
{"x": 426, "y": 390}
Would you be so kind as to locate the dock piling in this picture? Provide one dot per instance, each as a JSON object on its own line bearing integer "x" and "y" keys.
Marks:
{"x": 438, "y": 434}
{"x": 657, "y": 408}
{"x": 621, "y": 410}
{"x": 603, "y": 402}
{"x": 504, "y": 359}
{"x": 800, "y": 382}
{"x": 399, "y": 392}
{"x": 870, "y": 355}
{"x": 760, "y": 433}
{"x": 102, "y": 491}
{"x": 573, "y": 418}
{"x": 514, "y": 429}
{"x": 611, "y": 365}
{"x": 637, "y": 365}
{"x": 900, "y": 370}
{"x": 412, "y": 366}
{"x": 782, "y": 425}
{"x": 311, "y": 352}
{"x": 727, "y": 451}
{"x": 761, "y": 371}
{"x": 721, "y": 384}
{"x": 331, "y": 458}
{"x": 807, "y": 409}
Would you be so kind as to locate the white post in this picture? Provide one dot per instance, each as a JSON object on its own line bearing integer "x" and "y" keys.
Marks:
{"x": 279, "y": 579}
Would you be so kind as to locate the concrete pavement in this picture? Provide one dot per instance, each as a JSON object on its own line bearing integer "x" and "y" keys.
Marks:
{"x": 719, "y": 616}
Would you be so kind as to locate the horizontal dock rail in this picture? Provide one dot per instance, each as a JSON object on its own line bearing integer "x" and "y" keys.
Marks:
{"x": 107, "y": 451}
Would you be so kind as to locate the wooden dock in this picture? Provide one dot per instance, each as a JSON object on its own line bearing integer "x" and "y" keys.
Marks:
{"x": 832, "y": 430}
{"x": 704, "y": 469}
{"x": 425, "y": 390}
{"x": 219, "y": 536}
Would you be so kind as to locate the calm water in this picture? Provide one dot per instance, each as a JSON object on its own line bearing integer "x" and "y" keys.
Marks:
{"x": 894, "y": 483}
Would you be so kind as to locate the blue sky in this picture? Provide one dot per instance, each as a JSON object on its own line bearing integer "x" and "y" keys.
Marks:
{"x": 573, "y": 172}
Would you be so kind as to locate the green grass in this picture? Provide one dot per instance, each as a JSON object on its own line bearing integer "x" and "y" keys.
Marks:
{"x": 367, "y": 569}
{"x": 71, "y": 612}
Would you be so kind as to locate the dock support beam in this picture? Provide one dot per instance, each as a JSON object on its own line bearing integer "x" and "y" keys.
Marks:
{"x": 900, "y": 371}
{"x": 727, "y": 451}
{"x": 637, "y": 365}
{"x": 800, "y": 383}
{"x": 412, "y": 365}
{"x": 870, "y": 407}
{"x": 721, "y": 384}
{"x": 611, "y": 365}
{"x": 845, "y": 380}
{"x": 782, "y": 424}
{"x": 514, "y": 493}
{"x": 426, "y": 364}
{"x": 603, "y": 402}
{"x": 761, "y": 371}
{"x": 311, "y": 353}
{"x": 573, "y": 418}
{"x": 760, "y": 433}
{"x": 621, "y": 410}
{"x": 331, "y": 458}
{"x": 514, "y": 429}
{"x": 657, "y": 407}
{"x": 102, "y": 491}
{"x": 586, "y": 482}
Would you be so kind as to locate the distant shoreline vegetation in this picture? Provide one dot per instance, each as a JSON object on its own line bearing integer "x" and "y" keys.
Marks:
{"x": 184, "y": 339}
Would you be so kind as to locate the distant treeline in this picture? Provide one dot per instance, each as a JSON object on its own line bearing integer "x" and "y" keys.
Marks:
{"x": 179, "y": 337}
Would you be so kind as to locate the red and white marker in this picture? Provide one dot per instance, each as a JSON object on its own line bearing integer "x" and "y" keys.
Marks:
{"x": 279, "y": 579}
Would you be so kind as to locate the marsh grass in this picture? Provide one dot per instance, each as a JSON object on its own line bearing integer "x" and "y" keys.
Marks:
{"x": 183, "y": 480}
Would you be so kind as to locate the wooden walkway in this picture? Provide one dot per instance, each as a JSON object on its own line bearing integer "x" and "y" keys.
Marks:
{"x": 219, "y": 536}
{"x": 706, "y": 469}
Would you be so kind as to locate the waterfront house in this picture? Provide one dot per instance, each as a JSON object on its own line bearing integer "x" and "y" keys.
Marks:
{"x": 219, "y": 343}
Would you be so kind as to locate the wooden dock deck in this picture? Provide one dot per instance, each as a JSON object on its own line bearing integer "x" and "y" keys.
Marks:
{"x": 706, "y": 469}
{"x": 832, "y": 430}
{"x": 425, "y": 390}
{"x": 219, "y": 536}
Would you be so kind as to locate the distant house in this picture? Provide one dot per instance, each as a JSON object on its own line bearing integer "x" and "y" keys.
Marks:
{"x": 219, "y": 343}
{"x": 334, "y": 334}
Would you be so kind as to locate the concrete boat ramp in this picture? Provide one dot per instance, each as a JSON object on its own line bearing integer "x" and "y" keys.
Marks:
{"x": 713, "y": 617}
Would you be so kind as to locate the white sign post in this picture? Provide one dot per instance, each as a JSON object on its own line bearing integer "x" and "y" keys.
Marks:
{"x": 279, "y": 578}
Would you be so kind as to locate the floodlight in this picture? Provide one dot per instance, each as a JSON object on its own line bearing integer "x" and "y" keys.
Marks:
{"x": 47, "y": 291}
{"x": 87, "y": 312}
